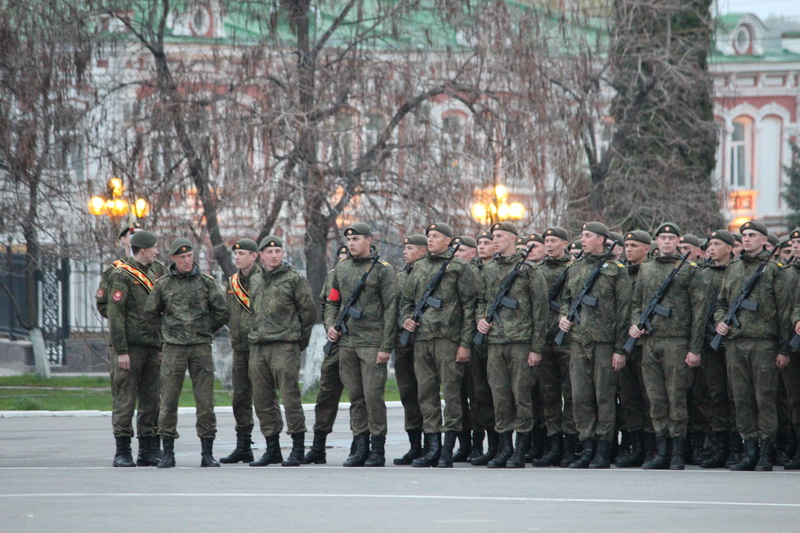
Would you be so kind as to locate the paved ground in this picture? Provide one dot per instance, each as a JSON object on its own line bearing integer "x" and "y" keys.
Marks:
{"x": 55, "y": 475}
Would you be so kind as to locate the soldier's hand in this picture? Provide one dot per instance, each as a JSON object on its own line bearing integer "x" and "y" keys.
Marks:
{"x": 410, "y": 325}
{"x": 782, "y": 361}
{"x": 534, "y": 359}
{"x": 462, "y": 355}
{"x": 383, "y": 358}
{"x": 693, "y": 359}
{"x": 124, "y": 361}
{"x": 635, "y": 332}
{"x": 333, "y": 335}
{"x": 484, "y": 326}
{"x": 723, "y": 328}
{"x": 564, "y": 324}
{"x": 797, "y": 327}
{"x": 618, "y": 362}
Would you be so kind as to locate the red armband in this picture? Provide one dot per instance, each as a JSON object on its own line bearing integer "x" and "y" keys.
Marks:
{"x": 334, "y": 295}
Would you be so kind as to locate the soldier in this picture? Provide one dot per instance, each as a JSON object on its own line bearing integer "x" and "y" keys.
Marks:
{"x": 619, "y": 249}
{"x": 442, "y": 342}
{"x": 136, "y": 343}
{"x": 790, "y": 376}
{"x": 485, "y": 247}
{"x": 596, "y": 345}
{"x": 737, "y": 246}
{"x": 772, "y": 241}
{"x": 241, "y": 287}
{"x": 756, "y": 350}
{"x": 673, "y": 348}
{"x": 538, "y": 251}
{"x": 575, "y": 249}
{"x": 415, "y": 247}
{"x": 101, "y": 296}
{"x": 283, "y": 316}
{"x": 516, "y": 339}
{"x": 367, "y": 347}
{"x": 330, "y": 383}
{"x": 787, "y": 255}
{"x": 691, "y": 244}
{"x": 190, "y": 307}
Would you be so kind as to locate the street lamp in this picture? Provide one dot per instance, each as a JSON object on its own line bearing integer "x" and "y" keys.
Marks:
{"x": 492, "y": 206}
{"x": 114, "y": 205}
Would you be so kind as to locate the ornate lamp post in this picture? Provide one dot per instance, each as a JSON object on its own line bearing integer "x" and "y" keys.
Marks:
{"x": 115, "y": 206}
{"x": 492, "y": 206}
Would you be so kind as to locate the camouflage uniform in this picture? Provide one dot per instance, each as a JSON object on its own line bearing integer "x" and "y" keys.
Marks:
{"x": 330, "y": 383}
{"x": 481, "y": 406}
{"x": 790, "y": 376}
{"x": 404, "y": 367}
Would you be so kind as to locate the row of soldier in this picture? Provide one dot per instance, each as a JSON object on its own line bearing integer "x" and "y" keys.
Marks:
{"x": 528, "y": 341}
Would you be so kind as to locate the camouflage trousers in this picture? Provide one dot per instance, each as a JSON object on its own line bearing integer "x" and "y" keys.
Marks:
{"x": 481, "y": 405}
{"x": 754, "y": 380}
{"x": 667, "y": 379}
{"x": 556, "y": 390}
{"x": 175, "y": 360}
{"x": 715, "y": 374}
{"x": 436, "y": 368}
{"x": 329, "y": 394}
{"x": 276, "y": 367}
{"x": 634, "y": 406}
{"x": 594, "y": 389}
{"x": 511, "y": 381}
{"x": 791, "y": 383}
{"x": 365, "y": 381}
{"x": 139, "y": 384}
{"x": 407, "y": 386}
{"x": 698, "y": 402}
{"x": 242, "y": 398}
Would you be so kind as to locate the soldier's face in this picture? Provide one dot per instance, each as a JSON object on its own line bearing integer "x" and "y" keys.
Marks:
{"x": 125, "y": 241}
{"x": 555, "y": 247}
{"x": 593, "y": 243}
{"x": 753, "y": 241}
{"x": 737, "y": 248}
{"x": 503, "y": 242}
{"x": 667, "y": 243}
{"x": 438, "y": 242}
{"x": 272, "y": 257}
{"x": 413, "y": 253}
{"x": 636, "y": 251}
{"x": 795, "y": 247}
{"x": 358, "y": 245}
{"x": 537, "y": 252}
{"x": 693, "y": 251}
{"x": 184, "y": 262}
{"x": 244, "y": 259}
{"x": 486, "y": 249}
{"x": 718, "y": 250}
{"x": 786, "y": 253}
{"x": 148, "y": 255}
{"x": 466, "y": 253}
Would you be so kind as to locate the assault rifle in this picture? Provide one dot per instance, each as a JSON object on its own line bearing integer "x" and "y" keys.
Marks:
{"x": 349, "y": 309}
{"x": 654, "y": 306}
{"x": 741, "y": 302}
{"x": 555, "y": 290}
{"x": 583, "y": 296}
{"x": 502, "y": 299}
{"x": 428, "y": 299}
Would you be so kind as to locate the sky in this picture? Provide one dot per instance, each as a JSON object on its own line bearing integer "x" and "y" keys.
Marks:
{"x": 762, "y": 8}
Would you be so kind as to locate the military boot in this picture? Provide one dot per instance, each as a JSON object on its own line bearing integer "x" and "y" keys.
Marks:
{"x": 493, "y": 442}
{"x": 361, "y": 452}
{"x": 207, "y": 453}
{"x": 316, "y": 454}
{"x": 149, "y": 451}
{"x": 602, "y": 457}
{"x": 296, "y": 457}
{"x": 517, "y": 459}
{"x": 168, "y": 458}
{"x": 554, "y": 452}
{"x": 765, "y": 450}
{"x": 538, "y": 441}
{"x": 718, "y": 452}
{"x": 635, "y": 455}
{"x": 415, "y": 451}
{"x": 477, "y": 445}
{"x": 749, "y": 457}
{"x": 272, "y": 455}
{"x": 650, "y": 448}
{"x": 698, "y": 440}
{"x": 661, "y": 459}
{"x": 123, "y": 456}
{"x": 505, "y": 450}
{"x": 464, "y": 447}
{"x": 377, "y": 453}
{"x": 243, "y": 453}
{"x": 735, "y": 449}
{"x": 446, "y": 458}
{"x": 431, "y": 453}
{"x": 678, "y": 449}
{"x": 572, "y": 450}
{"x": 589, "y": 446}
{"x": 794, "y": 462}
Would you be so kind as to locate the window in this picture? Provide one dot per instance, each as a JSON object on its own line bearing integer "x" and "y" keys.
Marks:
{"x": 739, "y": 174}
{"x": 742, "y": 40}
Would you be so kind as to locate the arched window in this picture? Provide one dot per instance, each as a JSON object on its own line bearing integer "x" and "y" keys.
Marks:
{"x": 740, "y": 174}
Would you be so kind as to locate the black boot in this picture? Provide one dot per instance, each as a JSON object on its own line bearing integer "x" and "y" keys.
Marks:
{"x": 296, "y": 456}
{"x": 749, "y": 457}
{"x": 698, "y": 447}
{"x": 168, "y": 457}
{"x": 464, "y": 447}
{"x": 415, "y": 451}
{"x": 377, "y": 454}
{"x": 650, "y": 448}
{"x": 431, "y": 453}
{"x": 123, "y": 456}
{"x": 517, "y": 459}
{"x": 735, "y": 449}
{"x": 572, "y": 450}
{"x": 794, "y": 462}
{"x": 207, "y": 453}
{"x": 243, "y": 453}
{"x": 316, "y": 454}
{"x": 538, "y": 440}
{"x": 586, "y": 456}
{"x": 765, "y": 449}
{"x": 719, "y": 450}
{"x": 661, "y": 459}
{"x": 359, "y": 455}
{"x": 602, "y": 455}
{"x": 553, "y": 455}
{"x": 505, "y": 450}
{"x": 149, "y": 451}
{"x": 635, "y": 455}
{"x": 493, "y": 442}
{"x": 272, "y": 455}
{"x": 446, "y": 458}
{"x": 477, "y": 445}
{"x": 678, "y": 449}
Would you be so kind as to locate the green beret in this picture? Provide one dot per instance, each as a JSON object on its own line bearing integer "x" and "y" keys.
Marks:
{"x": 722, "y": 235}
{"x": 442, "y": 228}
{"x": 180, "y": 246}
{"x": 785, "y": 242}
{"x": 596, "y": 227}
{"x": 143, "y": 239}
{"x": 638, "y": 235}
{"x": 359, "y": 228}
{"x": 617, "y": 237}
{"x": 485, "y": 235}
{"x": 520, "y": 241}
{"x": 342, "y": 250}
{"x": 737, "y": 237}
{"x": 576, "y": 245}
{"x": 246, "y": 244}
{"x": 534, "y": 237}
{"x": 557, "y": 231}
{"x": 668, "y": 227}
{"x": 795, "y": 234}
{"x": 754, "y": 225}
{"x": 505, "y": 226}
{"x": 467, "y": 241}
{"x": 125, "y": 228}
{"x": 691, "y": 239}
{"x": 773, "y": 239}
{"x": 417, "y": 239}
{"x": 270, "y": 241}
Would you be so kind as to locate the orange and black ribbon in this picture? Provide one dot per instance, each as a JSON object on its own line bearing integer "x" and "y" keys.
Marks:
{"x": 241, "y": 294}
{"x": 138, "y": 275}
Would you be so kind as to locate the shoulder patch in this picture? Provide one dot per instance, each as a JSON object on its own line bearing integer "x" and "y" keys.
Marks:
{"x": 117, "y": 296}
{"x": 384, "y": 263}
{"x": 692, "y": 263}
{"x": 100, "y": 293}
{"x": 779, "y": 263}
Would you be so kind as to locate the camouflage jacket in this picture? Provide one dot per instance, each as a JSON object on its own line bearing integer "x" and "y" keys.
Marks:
{"x": 378, "y": 302}
{"x": 772, "y": 295}
{"x": 633, "y": 273}
{"x": 323, "y": 297}
{"x": 552, "y": 269}
{"x": 241, "y": 321}
{"x": 402, "y": 277}
{"x": 455, "y": 319}
{"x": 609, "y": 320}
{"x": 190, "y": 307}
{"x": 709, "y": 281}
{"x": 283, "y": 308}
{"x": 128, "y": 323}
{"x": 528, "y": 322}
{"x": 101, "y": 296}
{"x": 683, "y": 297}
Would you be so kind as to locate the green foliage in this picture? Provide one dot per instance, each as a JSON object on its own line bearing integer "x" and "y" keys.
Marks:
{"x": 792, "y": 193}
